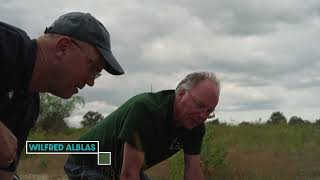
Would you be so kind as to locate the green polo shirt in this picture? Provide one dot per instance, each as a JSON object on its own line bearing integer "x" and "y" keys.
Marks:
{"x": 145, "y": 122}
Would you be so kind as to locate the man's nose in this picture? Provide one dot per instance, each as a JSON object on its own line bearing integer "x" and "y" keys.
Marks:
{"x": 90, "y": 82}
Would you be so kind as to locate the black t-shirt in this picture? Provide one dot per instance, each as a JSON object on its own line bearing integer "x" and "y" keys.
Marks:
{"x": 18, "y": 108}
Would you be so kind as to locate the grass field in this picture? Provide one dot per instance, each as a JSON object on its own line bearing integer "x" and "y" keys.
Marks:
{"x": 257, "y": 151}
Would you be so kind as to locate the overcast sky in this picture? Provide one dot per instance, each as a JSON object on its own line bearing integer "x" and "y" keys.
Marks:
{"x": 266, "y": 53}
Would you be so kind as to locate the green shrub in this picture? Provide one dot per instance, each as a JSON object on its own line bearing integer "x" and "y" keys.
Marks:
{"x": 213, "y": 152}
{"x": 176, "y": 166}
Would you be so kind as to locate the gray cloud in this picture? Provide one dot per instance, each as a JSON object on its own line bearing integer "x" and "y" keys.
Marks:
{"x": 266, "y": 53}
{"x": 251, "y": 17}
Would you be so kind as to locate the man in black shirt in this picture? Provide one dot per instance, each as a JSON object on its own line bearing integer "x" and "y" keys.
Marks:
{"x": 71, "y": 53}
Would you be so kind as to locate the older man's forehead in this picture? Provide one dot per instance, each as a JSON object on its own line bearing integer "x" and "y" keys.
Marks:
{"x": 205, "y": 84}
{"x": 206, "y": 89}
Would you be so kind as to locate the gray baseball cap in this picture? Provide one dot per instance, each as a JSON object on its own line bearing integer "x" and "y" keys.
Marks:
{"x": 84, "y": 27}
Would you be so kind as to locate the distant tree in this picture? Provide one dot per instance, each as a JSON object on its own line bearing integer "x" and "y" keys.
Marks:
{"x": 259, "y": 121}
{"x": 54, "y": 110}
{"x": 277, "y": 118}
{"x": 294, "y": 120}
{"x": 91, "y": 118}
{"x": 317, "y": 122}
{"x": 244, "y": 123}
{"x": 307, "y": 122}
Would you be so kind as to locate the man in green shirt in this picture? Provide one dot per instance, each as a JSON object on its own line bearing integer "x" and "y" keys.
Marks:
{"x": 149, "y": 128}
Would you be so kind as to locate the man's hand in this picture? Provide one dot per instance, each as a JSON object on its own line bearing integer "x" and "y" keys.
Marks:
{"x": 6, "y": 175}
{"x": 8, "y": 146}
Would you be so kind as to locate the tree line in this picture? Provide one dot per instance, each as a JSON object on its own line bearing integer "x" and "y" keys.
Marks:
{"x": 55, "y": 110}
{"x": 277, "y": 118}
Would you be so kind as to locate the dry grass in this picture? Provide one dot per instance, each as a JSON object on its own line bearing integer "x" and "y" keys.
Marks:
{"x": 284, "y": 153}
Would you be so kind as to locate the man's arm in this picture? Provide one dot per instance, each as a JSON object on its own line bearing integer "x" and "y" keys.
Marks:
{"x": 8, "y": 151}
{"x": 132, "y": 163}
{"x": 8, "y": 146}
{"x": 192, "y": 169}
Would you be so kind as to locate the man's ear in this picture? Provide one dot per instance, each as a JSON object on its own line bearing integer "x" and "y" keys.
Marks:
{"x": 181, "y": 93}
{"x": 63, "y": 43}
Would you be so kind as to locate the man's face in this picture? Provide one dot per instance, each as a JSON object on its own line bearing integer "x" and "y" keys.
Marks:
{"x": 80, "y": 64}
{"x": 197, "y": 104}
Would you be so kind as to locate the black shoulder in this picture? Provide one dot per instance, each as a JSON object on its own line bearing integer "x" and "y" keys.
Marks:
{"x": 14, "y": 48}
{"x": 7, "y": 30}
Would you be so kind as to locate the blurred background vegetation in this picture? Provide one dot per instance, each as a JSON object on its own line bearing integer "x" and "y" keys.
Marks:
{"x": 277, "y": 148}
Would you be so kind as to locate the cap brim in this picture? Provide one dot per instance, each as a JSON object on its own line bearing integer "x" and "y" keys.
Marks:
{"x": 112, "y": 65}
